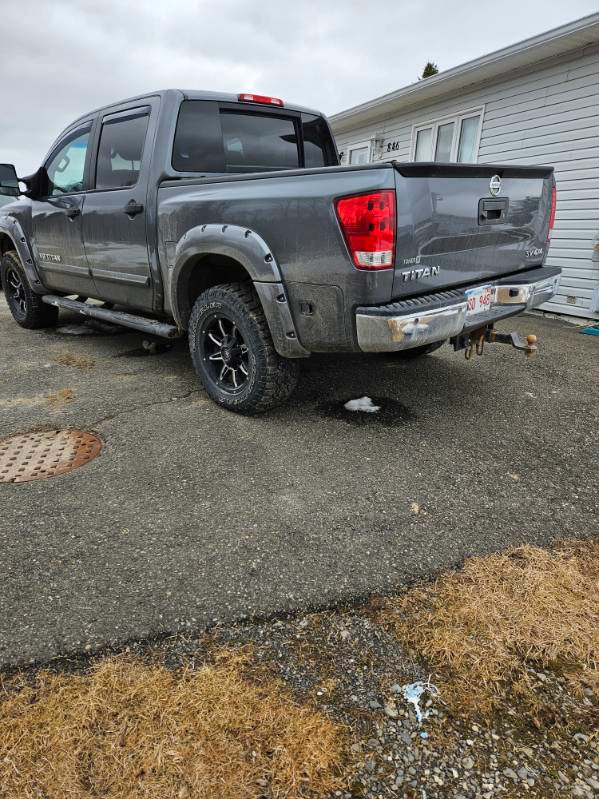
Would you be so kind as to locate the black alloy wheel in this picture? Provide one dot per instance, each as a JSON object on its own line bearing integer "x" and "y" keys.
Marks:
{"x": 225, "y": 353}
{"x": 14, "y": 291}
{"x": 25, "y": 305}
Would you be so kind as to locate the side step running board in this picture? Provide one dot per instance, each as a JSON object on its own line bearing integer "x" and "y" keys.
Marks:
{"x": 152, "y": 326}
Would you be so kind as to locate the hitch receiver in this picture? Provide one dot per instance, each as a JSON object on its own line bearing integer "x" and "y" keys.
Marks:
{"x": 528, "y": 345}
{"x": 477, "y": 338}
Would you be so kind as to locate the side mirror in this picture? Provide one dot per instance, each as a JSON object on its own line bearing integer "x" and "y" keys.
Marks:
{"x": 37, "y": 184}
{"x": 9, "y": 182}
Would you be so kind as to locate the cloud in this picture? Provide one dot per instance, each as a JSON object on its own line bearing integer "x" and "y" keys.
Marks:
{"x": 62, "y": 58}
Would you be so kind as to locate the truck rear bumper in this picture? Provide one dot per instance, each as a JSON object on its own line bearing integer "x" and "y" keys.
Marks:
{"x": 423, "y": 320}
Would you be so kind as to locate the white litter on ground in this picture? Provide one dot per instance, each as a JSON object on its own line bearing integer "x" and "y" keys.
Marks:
{"x": 412, "y": 693}
{"x": 75, "y": 330}
{"x": 364, "y": 404}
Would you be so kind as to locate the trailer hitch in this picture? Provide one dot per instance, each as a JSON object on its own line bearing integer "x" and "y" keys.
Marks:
{"x": 476, "y": 341}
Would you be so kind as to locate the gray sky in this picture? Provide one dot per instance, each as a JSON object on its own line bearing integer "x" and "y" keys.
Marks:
{"x": 61, "y": 58}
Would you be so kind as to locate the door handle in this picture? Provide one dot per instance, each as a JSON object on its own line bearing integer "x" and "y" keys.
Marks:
{"x": 492, "y": 212}
{"x": 132, "y": 208}
{"x": 72, "y": 213}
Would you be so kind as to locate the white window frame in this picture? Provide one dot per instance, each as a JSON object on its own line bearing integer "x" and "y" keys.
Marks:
{"x": 457, "y": 119}
{"x": 358, "y": 146}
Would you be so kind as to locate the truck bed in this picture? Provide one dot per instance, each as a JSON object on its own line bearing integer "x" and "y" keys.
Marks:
{"x": 441, "y": 243}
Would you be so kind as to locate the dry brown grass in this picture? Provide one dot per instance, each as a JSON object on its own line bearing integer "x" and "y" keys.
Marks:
{"x": 77, "y": 361}
{"x": 129, "y": 730}
{"x": 479, "y": 627}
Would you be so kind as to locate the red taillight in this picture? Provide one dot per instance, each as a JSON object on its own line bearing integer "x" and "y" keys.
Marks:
{"x": 260, "y": 98}
{"x": 552, "y": 212}
{"x": 368, "y": 224}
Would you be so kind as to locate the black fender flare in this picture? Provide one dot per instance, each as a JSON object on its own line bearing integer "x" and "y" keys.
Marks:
{"x": 11, "y": 227}
{"x": 250, "y": 250}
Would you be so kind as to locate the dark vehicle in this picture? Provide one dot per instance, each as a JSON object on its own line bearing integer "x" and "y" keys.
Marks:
{"x": 229, "y": 219}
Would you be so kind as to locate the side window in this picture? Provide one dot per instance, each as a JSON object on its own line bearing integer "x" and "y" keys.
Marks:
{"x": 120, "y": 151}
{"x": 66, "y": 167}
{"x": 319, "y": 149}
{"x": 198, "y": 145}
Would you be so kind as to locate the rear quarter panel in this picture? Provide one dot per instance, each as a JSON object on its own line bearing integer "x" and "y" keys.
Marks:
{"x": 294, "y": 213}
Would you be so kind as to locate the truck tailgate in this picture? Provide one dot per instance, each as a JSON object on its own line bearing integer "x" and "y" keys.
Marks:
{"x": 461, "y": 223}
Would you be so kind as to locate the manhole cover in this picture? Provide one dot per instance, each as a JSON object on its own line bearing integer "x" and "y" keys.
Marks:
{"x": 35, "y": 456}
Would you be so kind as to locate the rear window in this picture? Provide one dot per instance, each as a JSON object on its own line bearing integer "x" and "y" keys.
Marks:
{"x": 256, "y": 142}
{"x": 211, "y": 138}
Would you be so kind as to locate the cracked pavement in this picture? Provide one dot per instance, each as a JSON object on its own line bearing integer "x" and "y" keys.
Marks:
{"x": 193, "y": 515}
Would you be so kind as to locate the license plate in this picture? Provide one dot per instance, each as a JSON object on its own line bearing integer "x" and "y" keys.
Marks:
{"x": 478, "y": 300}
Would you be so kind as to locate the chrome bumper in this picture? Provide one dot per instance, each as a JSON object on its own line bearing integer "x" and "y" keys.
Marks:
{"x": 390, "y": 331}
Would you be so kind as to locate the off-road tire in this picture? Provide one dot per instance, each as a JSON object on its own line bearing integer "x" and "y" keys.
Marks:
{"x": 26, "y": 307}
{"x": 271, "y": 378}
{"x": 418, "y": 352}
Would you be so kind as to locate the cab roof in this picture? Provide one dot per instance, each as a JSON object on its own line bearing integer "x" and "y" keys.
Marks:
{"x": 194, "y": 94}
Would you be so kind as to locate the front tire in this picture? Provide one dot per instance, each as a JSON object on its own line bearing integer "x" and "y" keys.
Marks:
{"x": 233, "y": 352}
{"x": 26, "y": 307}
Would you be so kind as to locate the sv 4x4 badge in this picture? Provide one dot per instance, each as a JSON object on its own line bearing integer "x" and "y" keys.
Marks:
{"x": 534, "y": 252}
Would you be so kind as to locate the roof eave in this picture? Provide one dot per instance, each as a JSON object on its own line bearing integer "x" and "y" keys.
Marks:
{"x": 552, "y": 43}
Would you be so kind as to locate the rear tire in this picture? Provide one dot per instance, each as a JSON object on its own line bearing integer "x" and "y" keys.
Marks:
{"x": 26, "y": 307}
{"x": 233, "y": 352}
{"x": 418, "y": 352}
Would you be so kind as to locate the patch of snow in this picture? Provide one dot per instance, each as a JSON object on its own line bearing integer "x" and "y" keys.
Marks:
{"x": 364, "y": 404}
{"x": 75, "y": 330}
{"x": 412, "y": 693}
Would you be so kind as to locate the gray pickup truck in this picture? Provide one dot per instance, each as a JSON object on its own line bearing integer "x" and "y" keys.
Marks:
{"x": 229, "y": 219}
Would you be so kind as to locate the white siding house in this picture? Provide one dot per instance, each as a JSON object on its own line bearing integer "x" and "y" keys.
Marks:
{"x": 536, "y": 102}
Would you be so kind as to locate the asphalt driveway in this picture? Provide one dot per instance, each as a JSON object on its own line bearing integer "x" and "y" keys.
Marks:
{"x": 193, "y": 515}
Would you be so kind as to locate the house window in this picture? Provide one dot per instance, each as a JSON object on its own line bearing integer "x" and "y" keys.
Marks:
{"x": 424, "y": 145}
{"x": 444, "y": 141}
{"x": 358, "y": 153}
{"x": 448, "y": 139}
